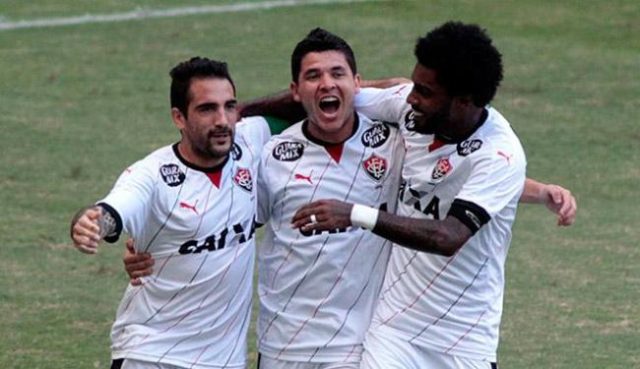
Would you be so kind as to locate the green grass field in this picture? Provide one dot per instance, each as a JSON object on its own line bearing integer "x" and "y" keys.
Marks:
{"x": 79, "y": 103}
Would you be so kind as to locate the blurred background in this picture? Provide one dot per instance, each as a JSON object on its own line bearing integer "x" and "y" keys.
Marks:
{"x": 81, "y": 101}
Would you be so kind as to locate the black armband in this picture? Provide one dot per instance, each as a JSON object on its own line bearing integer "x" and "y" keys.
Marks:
{"x": 110, "y": 222}
{"x": 470, "y": 214}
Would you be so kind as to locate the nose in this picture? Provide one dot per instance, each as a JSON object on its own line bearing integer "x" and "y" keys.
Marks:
{"x": 222, "y": 117}
{"x": 411, "y": 98}
{"x": 326, "y": 81}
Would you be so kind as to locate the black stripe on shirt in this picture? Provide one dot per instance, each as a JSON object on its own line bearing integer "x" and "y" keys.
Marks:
{"x": 470, "y": 214}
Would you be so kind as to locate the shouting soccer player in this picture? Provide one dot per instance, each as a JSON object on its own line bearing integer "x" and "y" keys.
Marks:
{"x": 317, "y": 290}
{"x": 190, "y": 205}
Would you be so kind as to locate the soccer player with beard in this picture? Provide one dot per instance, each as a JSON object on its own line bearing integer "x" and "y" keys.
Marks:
{"x": 463, "y": 173}
{"x": 192, "y": 206}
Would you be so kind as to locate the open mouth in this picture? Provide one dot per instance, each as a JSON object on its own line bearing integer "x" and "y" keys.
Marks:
{"x": 329, "y": 104}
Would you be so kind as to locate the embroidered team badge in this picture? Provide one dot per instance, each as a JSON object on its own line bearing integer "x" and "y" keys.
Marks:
{"x": 376, "y": 136}
{"x": 236, "y": 152}
{"x": 442, "y": 168}
{"x": 467, "y": 147}
{"x": 243, "y": 179}
{"x": 375, "y": 167}
{"x": 172, "y": 175}
{"x": 288, "y": 151}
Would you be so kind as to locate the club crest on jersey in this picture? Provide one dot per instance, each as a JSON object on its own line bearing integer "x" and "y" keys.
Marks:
{"x": 375, "y": 136}
{"x": 442, "y": 168}
{"x": 236, "y": 152}
{"x": 467, "y": 147}
{"x": 375, "y": 167}
{"x": 288, "y": 151}
{"x": 172, "y": 175}
{"x": 243, "y": 179}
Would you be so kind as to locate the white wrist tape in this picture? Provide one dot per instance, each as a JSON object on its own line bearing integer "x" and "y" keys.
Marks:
{"x": 364, "y": 216}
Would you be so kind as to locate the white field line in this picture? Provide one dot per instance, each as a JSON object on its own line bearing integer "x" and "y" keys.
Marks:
{"x": 140, "y": 14}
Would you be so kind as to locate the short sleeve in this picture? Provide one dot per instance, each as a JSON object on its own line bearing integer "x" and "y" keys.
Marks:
{"x": 130, "y": 198}
{"x": 493, "y": 182}
{"x": 389, "y": 104}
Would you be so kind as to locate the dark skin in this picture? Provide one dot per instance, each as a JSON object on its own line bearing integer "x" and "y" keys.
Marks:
{"x": 442, "y": 237}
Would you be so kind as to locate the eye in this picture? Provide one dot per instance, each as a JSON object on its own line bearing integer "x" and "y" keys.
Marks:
{"x": 232, "y": 105}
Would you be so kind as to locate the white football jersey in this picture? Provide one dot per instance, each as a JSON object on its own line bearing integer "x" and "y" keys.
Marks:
{"x": 317, "y": 291}
{"x": 198, "y": 223}
{"x": 451, "y": 304}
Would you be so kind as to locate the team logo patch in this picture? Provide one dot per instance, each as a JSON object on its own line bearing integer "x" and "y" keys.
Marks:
{"x": 375, "y": 136}
{"x": 375, "y": 167}
{"x": 467, "y": 147}
{"x": 236, "y": 152}
{"x": 172, "y": 175}
{"x": 288, "y": 151}
{"x": 243, "y": 179}
{"x": 443, "y": 167}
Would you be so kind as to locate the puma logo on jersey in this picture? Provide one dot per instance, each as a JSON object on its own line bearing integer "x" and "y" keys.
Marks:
{"x": 184, "y": 205}
{"x": 504, "y": 155}
{"x": 303, "y": 177}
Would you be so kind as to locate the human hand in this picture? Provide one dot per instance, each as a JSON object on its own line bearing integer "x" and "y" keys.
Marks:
{"x": 137, "y": 265}
{"x": 561, "y": 202}
{"x": 323, "y": 215}
{"x": 85, "y": 230}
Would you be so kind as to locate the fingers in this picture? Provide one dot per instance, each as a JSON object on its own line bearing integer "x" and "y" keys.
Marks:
{"x": 303, "y": 216}
{"x": 564, "y": 204}
{"x": 568, "y": 212}
{"x": 85, "y": 233}
{"x": 136, "y": 264}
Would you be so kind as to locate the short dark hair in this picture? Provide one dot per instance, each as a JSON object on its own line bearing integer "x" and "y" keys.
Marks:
{"x": 319, "y": 40}
{"x": 464, "y": 59}
{"x": 196, "y": 67}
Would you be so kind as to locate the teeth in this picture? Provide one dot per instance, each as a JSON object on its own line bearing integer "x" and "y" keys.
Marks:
{"x": 329, "y": 99}
{"x": 417, "y": 113}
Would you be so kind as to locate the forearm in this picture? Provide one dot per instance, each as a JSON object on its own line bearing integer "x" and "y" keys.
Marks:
{"x": 280, "y": 105}
{"x": 434, "y": 236}
{"x": 384, "y": 83}
{"x": 533, "y": 192}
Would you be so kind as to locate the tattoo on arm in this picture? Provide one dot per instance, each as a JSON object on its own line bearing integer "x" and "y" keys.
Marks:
{"x": 107, "y": 224}
{"x": 443, "y": 237}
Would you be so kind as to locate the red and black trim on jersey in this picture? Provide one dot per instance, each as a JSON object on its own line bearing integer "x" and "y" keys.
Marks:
{"x": 334, "y": 149}
{"x": 470, "y": 214}
{"x": 214, "y": 173}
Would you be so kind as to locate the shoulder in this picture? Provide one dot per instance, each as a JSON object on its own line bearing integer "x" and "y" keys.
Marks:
{"x": 286, "y": 146}
{"x": 495, "y": 141}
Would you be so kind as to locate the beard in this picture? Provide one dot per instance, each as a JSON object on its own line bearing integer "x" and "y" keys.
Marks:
{"x": 434, "y": 123}
{"x": 209, "y": 146}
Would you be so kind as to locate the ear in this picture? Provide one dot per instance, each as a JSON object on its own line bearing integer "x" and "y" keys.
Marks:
{"x": 178, "y": 118}
{"x": 358, "y": 81}
{"x": 464, "y": 101}
{"x": 293, "y": 87}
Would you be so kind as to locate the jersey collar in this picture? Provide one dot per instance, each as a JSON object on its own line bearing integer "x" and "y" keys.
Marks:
{"x": 184, "y": 161}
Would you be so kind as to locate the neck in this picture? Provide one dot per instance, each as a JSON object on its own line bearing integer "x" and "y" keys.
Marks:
{"x": 459, "y": 129}
{"x": 337, "y": 137}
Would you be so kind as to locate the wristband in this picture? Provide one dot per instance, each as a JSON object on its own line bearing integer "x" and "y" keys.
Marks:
{"x": 364, "y": 216}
